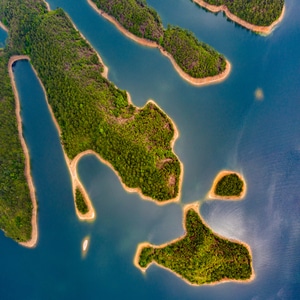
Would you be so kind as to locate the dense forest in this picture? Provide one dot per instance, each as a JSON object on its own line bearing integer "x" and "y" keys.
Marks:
{"x": 15, "y": 202}
{"x": 91, "y": 111}
{"x": 256, "y": 12}
{"x": 229, "y": 185}
{"x": 134, "y": 15}
{"x": 201, "y": 256}
{"x": 80, "y": 203}
{"x": 194, "y": 57}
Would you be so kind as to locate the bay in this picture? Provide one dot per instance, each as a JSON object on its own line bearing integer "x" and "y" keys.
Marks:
{"x": 221, "y": 126}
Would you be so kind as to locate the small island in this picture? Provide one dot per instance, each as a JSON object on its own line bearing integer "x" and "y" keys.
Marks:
{"x": 200, "y": 256}
{"x": 256, "y": 15}
{"x": 228, "y": 185}
{"x": 195, "y": 61}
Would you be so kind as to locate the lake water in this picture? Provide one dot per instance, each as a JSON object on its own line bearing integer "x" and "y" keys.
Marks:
{"x": 221, "y": 126}
{"x": 3, "y": 36}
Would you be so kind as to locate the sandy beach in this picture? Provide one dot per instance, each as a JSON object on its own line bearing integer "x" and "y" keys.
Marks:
{"x": 195, "y": 81}
{"x": 212, "y": 195}
{"x": 34, "y": 234}
{"x": 3, "y": 27}
{"x": 187, "y": 207}
{"x": 265, "y": 30}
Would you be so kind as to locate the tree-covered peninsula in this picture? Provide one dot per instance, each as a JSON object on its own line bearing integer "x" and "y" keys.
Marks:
{"x": 194, "y": 58}
{"x": 200, "y": 257}
{"x": 252, "y": 14}
{"x": 92, "y": 114}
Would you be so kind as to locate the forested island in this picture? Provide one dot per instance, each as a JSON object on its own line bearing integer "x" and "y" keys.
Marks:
{"x": 195, "y": 61}
{"x": 200, "y": 256}
{"x": 92, "y": 114}
{"x": 228, "y": 185}
{"x": 256, "y": 15}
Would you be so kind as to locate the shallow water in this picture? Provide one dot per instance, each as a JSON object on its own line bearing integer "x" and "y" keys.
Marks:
{"x": 221, "y": 126}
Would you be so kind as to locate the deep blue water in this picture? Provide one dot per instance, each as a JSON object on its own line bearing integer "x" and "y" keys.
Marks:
{"x": 221, "y": 126}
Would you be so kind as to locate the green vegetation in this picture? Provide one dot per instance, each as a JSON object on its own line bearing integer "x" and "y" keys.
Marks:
{"x": 91, "y": 111}
{"x": 201, "y": 256}
{"x": 229, "y": 185}
{"x": 194, "y": 57}
{"x": 15, "y": 202}
{"x": 256, "y": 12}
{"x": 134, "y": 15}
{"x": 80, "y": 203}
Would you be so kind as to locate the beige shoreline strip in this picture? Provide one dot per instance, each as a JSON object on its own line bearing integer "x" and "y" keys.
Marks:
{"x": 148, "y": 43}
{"x": 221, "y": 174}
{"x": 34, "y": 234}
{"x": 3, "y": 27}
{"x": 195, "y": 207}
{"x": 265, "y": 30}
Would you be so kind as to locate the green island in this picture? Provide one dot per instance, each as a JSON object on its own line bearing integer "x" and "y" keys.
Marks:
{"x": 80, "y": 203}
{"x": 256, "y": 15}
{"x": 193, "y": 57}
{"x": 92, "y": 114}
{"x": 228, "y": 185}
{"x": 201, "y": 256}
{"x": 15, "y": 202}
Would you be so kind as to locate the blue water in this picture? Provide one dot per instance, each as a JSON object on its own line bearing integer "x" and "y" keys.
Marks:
{"x": 3, "y": 37}
{"x": 221, "y": 126}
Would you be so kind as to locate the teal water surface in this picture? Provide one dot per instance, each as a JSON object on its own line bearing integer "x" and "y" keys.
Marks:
{"x": 3, "y": 37}
{"x": 221, "y": 126}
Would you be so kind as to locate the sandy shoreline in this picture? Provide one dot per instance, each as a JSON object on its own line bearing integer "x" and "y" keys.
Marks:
{"x": 212, "y": 195}
{"x": 194, "y": 206}
{"x": 195, "y": 81}
{"x": 265, "y": 30}
{"x": 3, "y": 27}
{"x": 34, "y": 234}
